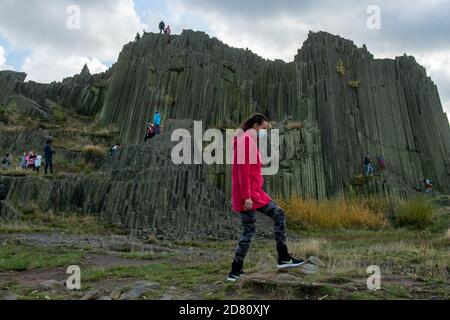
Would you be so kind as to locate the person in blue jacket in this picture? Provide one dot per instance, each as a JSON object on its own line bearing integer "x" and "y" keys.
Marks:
{"x": 157, "y": 122}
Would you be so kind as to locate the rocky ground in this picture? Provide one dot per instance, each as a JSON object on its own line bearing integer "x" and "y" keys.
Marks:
{"x": 36, "y": 252}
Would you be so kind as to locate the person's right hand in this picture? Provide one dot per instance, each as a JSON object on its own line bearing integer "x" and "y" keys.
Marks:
{"x": 248, "y": 205}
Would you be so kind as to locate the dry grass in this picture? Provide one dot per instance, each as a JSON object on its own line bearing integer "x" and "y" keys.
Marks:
{"x": 295, "y": 125}
{"x": 333, "y": 214}
{"x": 35, "y": 221}
{"x": 340, "y": 67}
{"x": 306, "y": 248}
{"x": 94, "y": 149}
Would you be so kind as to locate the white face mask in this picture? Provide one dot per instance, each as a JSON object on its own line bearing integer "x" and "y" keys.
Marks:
{"x": 262, "y": 133}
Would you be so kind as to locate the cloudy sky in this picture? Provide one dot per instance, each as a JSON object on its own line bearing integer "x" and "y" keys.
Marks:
{"x": 44, "y": 39}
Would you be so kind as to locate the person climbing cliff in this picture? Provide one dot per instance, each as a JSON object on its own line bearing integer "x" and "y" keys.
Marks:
{"x": 150, "y": 132}
{"x": 162, "y": 27}
{"x": 48, "y": 157}
{"x": 157, "y": 122}
{"x": 248, "y": 196}
{"x": 428, "y": 185}
{"x": 381, "y": 162}
{"x": 368, "y": 169}
{"x": 114, "y": 149}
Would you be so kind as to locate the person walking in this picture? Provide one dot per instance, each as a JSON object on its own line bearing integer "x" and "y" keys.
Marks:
{"x": 249, "y": 198}
{"x": 48, "y": 156}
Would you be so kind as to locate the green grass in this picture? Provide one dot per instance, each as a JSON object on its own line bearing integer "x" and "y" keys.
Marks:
{"x": 21, "y": 257}
{"x": 33, "y": 220}
{"x": 182, "y": 275}
{"x": 59, "y": 114}
{"x": 417, "y": 213}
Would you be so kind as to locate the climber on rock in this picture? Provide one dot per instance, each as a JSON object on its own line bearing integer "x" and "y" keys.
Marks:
{"x": 162, "y": 27}
{"x": 168, "y": 30}
{"x": 368, "y": 169}
{"x": 48, "y": 157}
{"x": 150, "y": 131}
{"x": 114, "y": 149}
{"x": 381, "y": 162}
{"x": 428, "y": 185}
{"x": 157, "y": 122}
{"x": 248, "y": 196}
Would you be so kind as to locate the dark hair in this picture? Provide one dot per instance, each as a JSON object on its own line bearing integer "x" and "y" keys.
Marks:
{"x": 49, "y": 141}
{"x": 256, "y": 118}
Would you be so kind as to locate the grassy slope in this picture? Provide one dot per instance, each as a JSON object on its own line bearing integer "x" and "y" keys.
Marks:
{"x": 414, "y": 264}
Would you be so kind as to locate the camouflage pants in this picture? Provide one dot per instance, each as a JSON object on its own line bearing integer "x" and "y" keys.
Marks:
{"x": 248, "y": 218}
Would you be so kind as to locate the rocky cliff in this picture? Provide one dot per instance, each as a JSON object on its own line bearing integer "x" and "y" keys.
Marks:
{"x": 333, "y": 104}
{"x": 338, "y": 103}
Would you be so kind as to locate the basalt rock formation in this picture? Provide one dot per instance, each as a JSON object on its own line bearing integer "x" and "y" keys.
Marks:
{"x": 337, "y": 102}
{"x": 333, "y": 104}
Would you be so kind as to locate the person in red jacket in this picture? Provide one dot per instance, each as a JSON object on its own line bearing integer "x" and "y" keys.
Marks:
{"x": 248, "y": 196}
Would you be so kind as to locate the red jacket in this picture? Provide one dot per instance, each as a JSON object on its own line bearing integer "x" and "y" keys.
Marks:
{"x": 246, "y": 177}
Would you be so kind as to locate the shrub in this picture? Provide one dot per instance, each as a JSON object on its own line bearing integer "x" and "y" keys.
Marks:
{"x": 354, "y": 84}
{"x": 295, "y": 125}
{"x": 94, "y": 150}
{"x": 332, "y": 214}
{"x": 58, "y": 114}
{"x": 169, "y": 100}
{"x": 4, "y": 116}
{"x": 416, "y": 213}
{"x": 340, "y": 67}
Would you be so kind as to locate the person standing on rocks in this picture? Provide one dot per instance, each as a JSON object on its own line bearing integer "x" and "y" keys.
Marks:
{"x": 6, "y": 162}
{"x": 368, "y": 169}
{"x": 381, "y": 162}
{"x": 38, "y": 163}
{"x": 162, "y": 27}
{"x": 48, "y": 156}
{"x": 157, "y": 122}
{"x": 168, "y": 30}
{"x": 114, "y": 149}
{"x": 23, "y": 161}
{"x": 150, "y": 132}
{"x": 249, "y": 198}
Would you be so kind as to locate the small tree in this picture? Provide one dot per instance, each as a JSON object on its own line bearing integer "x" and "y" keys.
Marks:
{"x": 354, "y": 83}
{"x": 340, "y": 67}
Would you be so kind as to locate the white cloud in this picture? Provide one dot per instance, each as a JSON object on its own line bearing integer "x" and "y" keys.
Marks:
{"x": 44, "y": 67}
{"x": 3, "y": 65}
{"x": 106, "y": 25}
